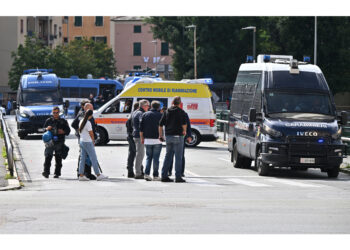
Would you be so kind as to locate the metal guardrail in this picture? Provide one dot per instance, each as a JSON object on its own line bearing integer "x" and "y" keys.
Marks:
{"x": 225, "y": 126}
{"x": 8, "y": 145}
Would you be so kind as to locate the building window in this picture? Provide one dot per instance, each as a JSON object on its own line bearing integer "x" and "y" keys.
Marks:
{"x": 60, "y": 31}
{"x": 164, "y": 49}
{"x": 65, "y": 39}
{"x": 102, "y": 39}
{"x": 77, "y": 38}
{"x": 78, "y": 21}
{"x": 137, "y": 28}
{"x": 21, "y": 26}
{"x": 137, "y": 49}
{"x": 99, "y": 21}
{"x": 137, "y": 67}
{"x": 55, "y": 30}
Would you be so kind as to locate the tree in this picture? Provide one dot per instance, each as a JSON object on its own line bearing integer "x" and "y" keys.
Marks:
{"x": 79, "y": 57}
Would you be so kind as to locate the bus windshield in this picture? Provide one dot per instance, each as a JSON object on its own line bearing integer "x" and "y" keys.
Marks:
{"x": 41, "y": 97}
{"x": 283, "y": 102}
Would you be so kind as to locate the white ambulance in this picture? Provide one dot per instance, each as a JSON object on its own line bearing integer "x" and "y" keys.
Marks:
{"x": 196, "y": 101}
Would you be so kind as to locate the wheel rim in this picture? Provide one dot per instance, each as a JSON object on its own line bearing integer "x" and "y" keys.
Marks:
{"x": 194, "y": 140}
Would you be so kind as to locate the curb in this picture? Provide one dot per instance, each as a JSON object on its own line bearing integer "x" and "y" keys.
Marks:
{"x": 221, "y": 141}
{"x": 13, "y": 184}
{"x": 343, "y": 168}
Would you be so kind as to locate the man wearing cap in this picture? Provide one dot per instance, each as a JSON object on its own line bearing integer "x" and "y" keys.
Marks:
{"x": 59, "y": 128}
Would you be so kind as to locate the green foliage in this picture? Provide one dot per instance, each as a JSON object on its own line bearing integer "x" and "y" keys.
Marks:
{"x": 4, "y": 153}
{"x": 1, "y": 134}
{"x": 79, "y": 57}
{"x": 8, "y": 176}
{"x": 222, "y": 45}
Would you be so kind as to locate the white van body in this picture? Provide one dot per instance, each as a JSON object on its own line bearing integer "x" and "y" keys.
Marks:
{"x": 195, "y": 97}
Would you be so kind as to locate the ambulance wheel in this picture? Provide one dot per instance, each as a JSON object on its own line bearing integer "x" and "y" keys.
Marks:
{"x": 22, "y": 135}
{"x": 262, "y": 168}
{"x": 238, "y": 160}
{"x": 196, "y": 139}
{"x": 102, "y": 136}
{"x": 333, "y": 172}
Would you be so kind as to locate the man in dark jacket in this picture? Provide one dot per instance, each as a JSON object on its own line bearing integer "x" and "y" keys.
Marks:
{"x": 59, "y": 129}
{"x": 150, "y": 138}
{"x": 175, "y": 129}
{"x": 132, "y": 147}
{"x": 140, "y": 148}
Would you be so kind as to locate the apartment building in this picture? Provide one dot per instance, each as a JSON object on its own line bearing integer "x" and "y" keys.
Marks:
{"x": 97, "y": 28}
{"x": 13, "y": 30}
{"x": 136, "y": 49}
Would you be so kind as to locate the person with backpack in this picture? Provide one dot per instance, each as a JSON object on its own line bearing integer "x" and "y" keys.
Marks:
{"x": 87, "y": 147}
{"x": 132, "y": 147}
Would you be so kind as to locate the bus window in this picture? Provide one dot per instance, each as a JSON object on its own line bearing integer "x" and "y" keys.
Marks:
{"x": 85, "y": 92}
{"x": 65, "y": 92}
{"x": 73, "y": 92}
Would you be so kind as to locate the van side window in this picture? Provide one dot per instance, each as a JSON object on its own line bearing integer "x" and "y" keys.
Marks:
{"x": 123, "y": 105}
{"x": 244, "y": 91}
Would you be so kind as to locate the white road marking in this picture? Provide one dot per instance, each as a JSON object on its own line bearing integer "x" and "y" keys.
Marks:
{"x": 292, "y": 183}
{"x": 248, "y": 183}
{"x": 191, "y": 173}
{"x": 201, "y": 182}
{"x": 224, "y": 160}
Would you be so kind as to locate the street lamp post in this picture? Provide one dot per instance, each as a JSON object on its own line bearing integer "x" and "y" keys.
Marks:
{"x": 254, "y": 31}
{"x": 315, "y": 46}
{"x": 155, "y": 55}
{"x": 194, "y": 48}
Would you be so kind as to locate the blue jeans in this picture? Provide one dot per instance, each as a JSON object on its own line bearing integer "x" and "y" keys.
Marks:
{"x": 174, "y": 146}
{"x": 153, "y": 153}
{"x": 88, "y": 148}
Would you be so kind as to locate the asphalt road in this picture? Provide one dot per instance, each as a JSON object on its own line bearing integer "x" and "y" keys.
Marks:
{"x": 217, "y": 198}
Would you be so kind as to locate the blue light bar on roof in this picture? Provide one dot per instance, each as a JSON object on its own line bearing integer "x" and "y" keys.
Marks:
{"x": 267, "y": 58}
{"x": 28, "y": 71}
{"x": 249, "y": 59}
{"x": 307, "y": 59}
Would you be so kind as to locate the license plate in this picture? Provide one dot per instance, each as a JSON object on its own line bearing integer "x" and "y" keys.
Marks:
{"x": 41, "y": 130}
{"x": 307, "y": 160}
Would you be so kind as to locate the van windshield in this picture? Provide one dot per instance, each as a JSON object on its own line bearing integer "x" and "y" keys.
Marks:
{"x": 282, "y": 102}
{"x": 40, "y": 97}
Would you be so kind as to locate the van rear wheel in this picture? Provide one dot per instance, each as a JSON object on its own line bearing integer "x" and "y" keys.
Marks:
{"x": 196, "y": 139}
{"x": 22, "y": 135}
{"x": 262, "y": 168}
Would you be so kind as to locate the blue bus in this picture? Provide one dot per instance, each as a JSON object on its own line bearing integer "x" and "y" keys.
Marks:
{"x": 75, "y": 90}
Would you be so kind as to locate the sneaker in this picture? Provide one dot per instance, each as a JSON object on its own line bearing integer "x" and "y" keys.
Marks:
{"x": 148, "y": 178}
{"x": 141, "y": 176}
{"x": 83, "y": 178}
{"x": 157, "y": 178}
{"x": 131, "y": 175}
{"x": 167, "y": 180}
{"x": 101, "y": 177}
{"x": 179, "y": 180}
{"x": 45, "y": 175}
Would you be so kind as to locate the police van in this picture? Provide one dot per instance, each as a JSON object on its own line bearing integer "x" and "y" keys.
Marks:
{"x": 196, "y": 101}
{"x": 38, "y": 92}
{"x": 283, "y": 114}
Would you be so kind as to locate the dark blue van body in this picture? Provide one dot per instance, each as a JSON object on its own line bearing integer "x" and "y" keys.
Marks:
{"x": 282, "y": 116}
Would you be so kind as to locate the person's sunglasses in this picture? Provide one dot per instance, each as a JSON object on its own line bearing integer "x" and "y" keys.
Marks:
{"x": 55, "y": 112}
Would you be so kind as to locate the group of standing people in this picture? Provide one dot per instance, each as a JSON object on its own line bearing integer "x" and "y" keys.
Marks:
{"x": 85, "y": 127}
{"x": 145, "y": 131}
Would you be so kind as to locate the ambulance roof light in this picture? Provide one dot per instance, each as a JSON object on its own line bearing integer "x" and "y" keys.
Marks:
{"x": 267, "y": 58}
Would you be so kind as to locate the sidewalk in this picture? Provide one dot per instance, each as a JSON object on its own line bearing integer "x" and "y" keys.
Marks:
{"x": 3, "y": 182}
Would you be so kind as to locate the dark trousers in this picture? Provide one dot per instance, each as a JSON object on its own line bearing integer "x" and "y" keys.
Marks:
{"x": 183, "y": 161}
{"x": 131, "y": 154}
{"x": 174, "y": 147}
{"x": 57, "y": 148}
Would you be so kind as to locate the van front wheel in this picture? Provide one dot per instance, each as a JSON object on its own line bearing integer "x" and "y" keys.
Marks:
{"x": 333, "y": 172}
{"x": 262, "y": 168}
{"x": 102, "y": 136}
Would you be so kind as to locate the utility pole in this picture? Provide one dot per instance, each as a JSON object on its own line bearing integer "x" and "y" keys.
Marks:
{"x": 194, "y": 47}
{"x": 315, "y": 46}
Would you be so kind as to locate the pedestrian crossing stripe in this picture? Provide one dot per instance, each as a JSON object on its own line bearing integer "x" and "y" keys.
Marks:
{"x": 248, "y": 183}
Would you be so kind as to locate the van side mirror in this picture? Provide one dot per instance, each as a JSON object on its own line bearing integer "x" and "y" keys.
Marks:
{"x": 14, "y": 105}
{"x": 252, "y": 115}
{"x": 344, "y": 117}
